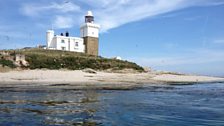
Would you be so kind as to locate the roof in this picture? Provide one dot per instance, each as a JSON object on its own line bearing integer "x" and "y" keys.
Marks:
{"x": 89, "y": 13}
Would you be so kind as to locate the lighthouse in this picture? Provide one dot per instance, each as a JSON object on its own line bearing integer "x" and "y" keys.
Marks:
{"x": 88, "y": 42}
{"x": 89, "y": 31}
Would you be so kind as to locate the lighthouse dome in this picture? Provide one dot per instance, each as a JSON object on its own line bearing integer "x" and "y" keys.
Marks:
{"x": 89, "y": 13}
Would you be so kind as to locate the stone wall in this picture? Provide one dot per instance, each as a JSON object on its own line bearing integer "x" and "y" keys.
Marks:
{"x": 91, "y": 45}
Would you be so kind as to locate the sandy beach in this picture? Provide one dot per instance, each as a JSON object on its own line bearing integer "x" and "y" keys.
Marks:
{"x": 80, "y": 79}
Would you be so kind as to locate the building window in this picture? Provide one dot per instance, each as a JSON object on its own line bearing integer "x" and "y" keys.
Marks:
{"x": 76, "y": 44}
{"x": 62, "y": 41}
{"x": 63, "y": 48}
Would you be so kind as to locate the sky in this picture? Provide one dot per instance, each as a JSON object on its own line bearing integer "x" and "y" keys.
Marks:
{"x": 173, "y": 35}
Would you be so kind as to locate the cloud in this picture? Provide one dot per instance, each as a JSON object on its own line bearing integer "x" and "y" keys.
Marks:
{"x": 63, "y": 22}
{"x": 218, "y": 41}
{"x": 131, "y": 11}
{"x": 58, "y": 14}
{"x": 213, "y": 3}
{"x": 111, "y": 13}
{"x": 34, "y": 9}
{"x": 126, "y": 11}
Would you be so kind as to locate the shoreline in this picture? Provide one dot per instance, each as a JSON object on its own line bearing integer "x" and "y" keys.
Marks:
{"x": 79, "y": 79}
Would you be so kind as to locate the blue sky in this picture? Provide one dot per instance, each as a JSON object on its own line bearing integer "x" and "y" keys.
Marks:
{"x": 175, "y": 35}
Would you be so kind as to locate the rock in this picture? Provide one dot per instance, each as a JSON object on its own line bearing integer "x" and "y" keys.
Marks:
{"x": 126, "y": 70}
{"x": 147, "y": 69}
{"x": 88, "y": 70}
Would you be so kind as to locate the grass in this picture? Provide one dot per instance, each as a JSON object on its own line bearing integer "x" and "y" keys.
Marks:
{"x": 7, "y": 63}
{"x": 55, "y": 59}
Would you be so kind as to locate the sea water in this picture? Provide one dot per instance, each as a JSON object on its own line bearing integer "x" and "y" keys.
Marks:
{"x": 185, "y": 105}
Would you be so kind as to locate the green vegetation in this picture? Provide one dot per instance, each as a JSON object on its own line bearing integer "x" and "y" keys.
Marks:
{"x": 54, "y": 59}
{"x": 7, "y": 63}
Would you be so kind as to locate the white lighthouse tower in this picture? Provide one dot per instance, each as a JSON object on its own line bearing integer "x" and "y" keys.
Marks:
{"x": 90, "y": 33}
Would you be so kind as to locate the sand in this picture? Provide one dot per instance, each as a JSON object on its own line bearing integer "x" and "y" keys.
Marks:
{"x": 80, "y": 79}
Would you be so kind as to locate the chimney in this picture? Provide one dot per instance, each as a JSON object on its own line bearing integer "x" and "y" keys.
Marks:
{"x": 67, "y": 34}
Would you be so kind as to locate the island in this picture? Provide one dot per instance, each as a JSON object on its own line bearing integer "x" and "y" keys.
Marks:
{"x": 35, "y": 67}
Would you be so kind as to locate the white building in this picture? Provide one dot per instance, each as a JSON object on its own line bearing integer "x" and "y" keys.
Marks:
{"x": 66, "y": 43}
{"x": 86, "y": 43}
